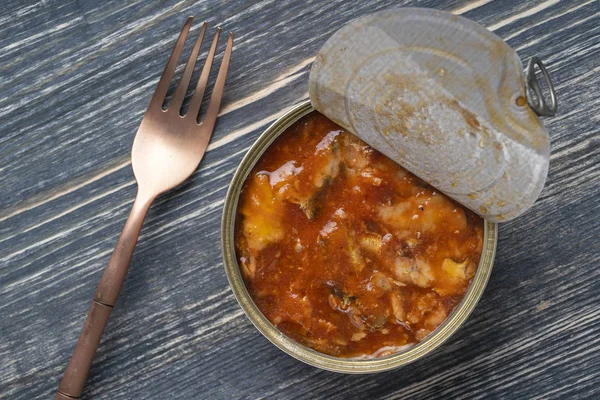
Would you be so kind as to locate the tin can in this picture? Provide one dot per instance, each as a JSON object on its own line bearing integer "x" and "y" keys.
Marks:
{"x": 288, "y": 345}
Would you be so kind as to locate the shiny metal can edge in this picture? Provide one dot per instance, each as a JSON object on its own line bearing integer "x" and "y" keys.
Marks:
{"x": 305, "y": 354}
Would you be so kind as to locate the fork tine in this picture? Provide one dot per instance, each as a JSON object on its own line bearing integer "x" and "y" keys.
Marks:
{"x": 196, "y": 102}
{"x": 182, "y": 86}
{"x": 169, "y": 71}
{"x": 215, "y": 99}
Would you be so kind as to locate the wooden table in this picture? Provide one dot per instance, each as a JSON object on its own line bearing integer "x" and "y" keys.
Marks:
{"x": 75, "y": 78}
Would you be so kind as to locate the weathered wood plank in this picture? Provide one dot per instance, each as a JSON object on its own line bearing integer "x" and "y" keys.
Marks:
{"x": 75, "y": 78}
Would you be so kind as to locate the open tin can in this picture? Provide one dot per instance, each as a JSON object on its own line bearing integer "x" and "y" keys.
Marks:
{"x": 288, "y": 345}
{"x": 442, "y": 97}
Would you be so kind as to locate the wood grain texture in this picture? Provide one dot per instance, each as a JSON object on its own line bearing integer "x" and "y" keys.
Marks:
{"x": 75, "y": 78}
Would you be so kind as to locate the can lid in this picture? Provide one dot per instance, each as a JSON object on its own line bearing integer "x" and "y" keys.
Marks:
{"x": 446, "y": 99}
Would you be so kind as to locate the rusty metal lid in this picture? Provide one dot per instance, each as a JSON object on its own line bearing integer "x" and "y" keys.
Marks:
{"x": 446, "y": 99}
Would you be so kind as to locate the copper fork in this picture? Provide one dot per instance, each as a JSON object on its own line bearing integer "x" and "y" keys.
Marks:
{"x": 167, "y": 149}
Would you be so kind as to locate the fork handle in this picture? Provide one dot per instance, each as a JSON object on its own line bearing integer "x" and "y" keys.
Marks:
{"x": 71, "y": 385}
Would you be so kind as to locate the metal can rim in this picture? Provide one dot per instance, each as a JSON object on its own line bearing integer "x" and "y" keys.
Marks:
{"x": 288, "y": 345}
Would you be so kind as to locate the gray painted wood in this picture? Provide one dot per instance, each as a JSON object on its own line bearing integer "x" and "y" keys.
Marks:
{"x": 75, "y": 78}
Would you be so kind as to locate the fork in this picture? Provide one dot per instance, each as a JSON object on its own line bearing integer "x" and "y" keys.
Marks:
{"x": 168, "y": 147}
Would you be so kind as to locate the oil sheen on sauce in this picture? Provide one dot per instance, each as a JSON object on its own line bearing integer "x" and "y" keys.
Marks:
{"x": 346, "y": 252}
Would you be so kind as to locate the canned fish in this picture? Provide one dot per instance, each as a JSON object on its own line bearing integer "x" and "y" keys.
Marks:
{"x": 309, "y": 355}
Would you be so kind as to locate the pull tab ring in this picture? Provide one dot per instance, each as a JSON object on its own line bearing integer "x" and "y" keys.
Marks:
{"x": 539, "y": 105}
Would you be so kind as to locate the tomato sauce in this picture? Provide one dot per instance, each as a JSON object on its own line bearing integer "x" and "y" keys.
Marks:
{"x": 345, "y": 251}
